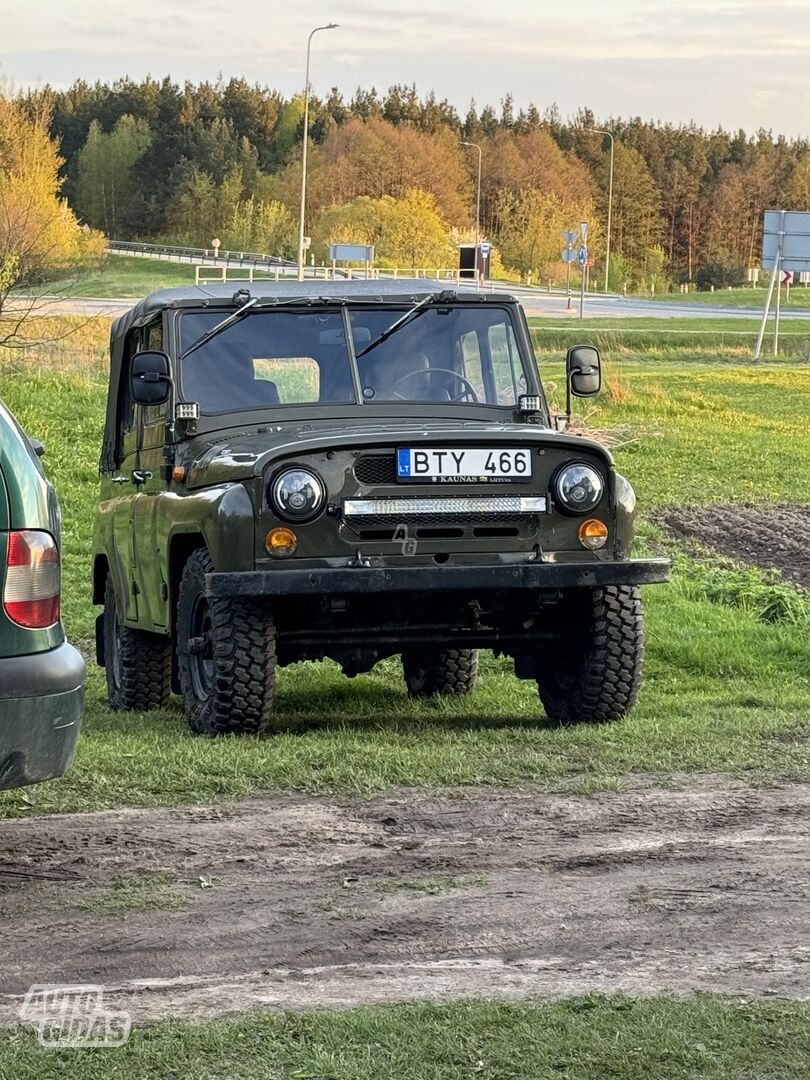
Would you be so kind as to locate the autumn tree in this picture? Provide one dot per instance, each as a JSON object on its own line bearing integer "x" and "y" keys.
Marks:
{"x": 40, "y": 237}
{"x": 408, "y": 232}
{"x": 530, "y": 226}
{"x": 263, "y": 226}
{"x": 797, "y": 189}
{"x": 376, "y": 158}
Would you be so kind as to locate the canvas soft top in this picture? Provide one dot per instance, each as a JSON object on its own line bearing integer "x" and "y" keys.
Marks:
{"x": 389, "y": 290}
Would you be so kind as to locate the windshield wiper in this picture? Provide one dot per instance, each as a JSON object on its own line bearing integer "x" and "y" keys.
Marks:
{"x": 392, "y": 329}
{"x": 229, "y": 320}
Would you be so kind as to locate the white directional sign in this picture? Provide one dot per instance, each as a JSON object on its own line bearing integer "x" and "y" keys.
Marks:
{"x": 584, "y": 230}
{"x": 786, "y": 237}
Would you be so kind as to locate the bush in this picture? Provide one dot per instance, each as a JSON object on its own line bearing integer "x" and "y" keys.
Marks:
{"x": 720, "y": 275}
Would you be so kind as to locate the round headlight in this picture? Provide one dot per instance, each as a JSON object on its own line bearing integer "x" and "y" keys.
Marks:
{"x": 578, "y": 488}
{"x": 297, "y": 494}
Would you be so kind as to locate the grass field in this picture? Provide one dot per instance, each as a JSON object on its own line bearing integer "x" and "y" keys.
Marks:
{"x": 125, "y": 275}
{"x": 724, "y": 690}
{"x": 727, "y": 687}
{"x": 654, "y": 341}
{"x": 580, "y": 1039}
{"x": 743, "y": 297}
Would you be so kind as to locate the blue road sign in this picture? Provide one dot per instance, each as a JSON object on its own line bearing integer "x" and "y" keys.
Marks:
{"x": 582, "y": 255}
{"x": 569, "y": 255}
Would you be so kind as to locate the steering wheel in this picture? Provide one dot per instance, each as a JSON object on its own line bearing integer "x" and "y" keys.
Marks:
{"x": 468, "y": 390}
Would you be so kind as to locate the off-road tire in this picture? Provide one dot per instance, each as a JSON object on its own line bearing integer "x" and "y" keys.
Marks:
{"x": 138, "y": 664}
{"x": 595, "y": 680}
{"x": 452, "y": 671}
{"x": 241, "y": 648}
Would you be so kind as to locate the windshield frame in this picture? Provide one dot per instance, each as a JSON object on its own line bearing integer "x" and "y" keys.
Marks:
{"x": 513, "y": 313}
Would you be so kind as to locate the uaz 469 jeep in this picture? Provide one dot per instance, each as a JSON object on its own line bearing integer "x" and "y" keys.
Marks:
{"x": 354, "y": 470}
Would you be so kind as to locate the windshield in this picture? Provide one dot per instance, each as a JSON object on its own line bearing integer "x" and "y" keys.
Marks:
{"x": 265, "y": 359}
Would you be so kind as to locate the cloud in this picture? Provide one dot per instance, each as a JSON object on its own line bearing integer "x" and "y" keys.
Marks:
{"x": 739, "y": 63}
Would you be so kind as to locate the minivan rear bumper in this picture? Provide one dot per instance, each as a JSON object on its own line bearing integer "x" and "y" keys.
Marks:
{"x": 41, "y": 707}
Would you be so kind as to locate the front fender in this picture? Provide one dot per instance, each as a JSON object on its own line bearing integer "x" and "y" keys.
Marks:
{"x": 223, "y": 516}
{"x": 625, "y": 516}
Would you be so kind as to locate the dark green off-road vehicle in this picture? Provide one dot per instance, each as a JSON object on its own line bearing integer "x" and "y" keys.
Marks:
{"x": 354, "y": 470}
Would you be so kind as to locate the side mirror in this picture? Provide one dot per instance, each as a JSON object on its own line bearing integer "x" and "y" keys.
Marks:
{"x": 150, "y": 378}
{"x": 36, "y": 446}
{"x": 584, "y": 370}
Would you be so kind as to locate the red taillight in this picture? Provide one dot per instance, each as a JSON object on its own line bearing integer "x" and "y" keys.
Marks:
{"x": 33, "y": 580}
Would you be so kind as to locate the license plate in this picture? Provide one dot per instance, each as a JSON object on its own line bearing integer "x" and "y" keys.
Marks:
{"x": 467, "y": 466}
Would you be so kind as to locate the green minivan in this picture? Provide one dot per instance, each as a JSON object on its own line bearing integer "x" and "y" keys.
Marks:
{"x": 41, "y": 675}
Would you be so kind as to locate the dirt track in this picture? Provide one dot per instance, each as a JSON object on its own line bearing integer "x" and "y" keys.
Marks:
{"x": 303, "y": 903}
{"x": 771, "y": 537}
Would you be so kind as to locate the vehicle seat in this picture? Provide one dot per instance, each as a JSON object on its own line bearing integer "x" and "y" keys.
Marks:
{"x": 222, "y": 381}
{"x": 381, "y": 374}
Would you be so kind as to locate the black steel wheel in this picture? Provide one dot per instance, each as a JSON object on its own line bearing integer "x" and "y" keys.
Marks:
{"x": 595, "y": 676}
{"x": 138, "y": 664}
{"x": 226, "y": 652}
{"x": 451, "y": 671}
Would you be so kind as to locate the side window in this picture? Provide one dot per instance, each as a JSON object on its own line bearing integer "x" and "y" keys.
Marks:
{"x": 506, "y": 367}
{"x": 152, "y": 338}
{"x": 471, "y": 365}
{"x": 126, "y": 406}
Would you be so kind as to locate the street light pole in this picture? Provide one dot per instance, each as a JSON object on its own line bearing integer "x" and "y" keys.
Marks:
{"x": 328, "y": 26}
{"x": 475, "y": 146}
{"x": 599, "y": 131}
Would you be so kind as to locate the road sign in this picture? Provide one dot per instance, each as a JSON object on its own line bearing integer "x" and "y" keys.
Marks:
{"x": 351, "y": 252}
{"x": 786, "y": 277}
{"x": 582, "y": 255}
{"x": 786, "y": 237}
{"x": 569, "y": 237}
{"x": 584, "y": 230}
{"x": 590, "y": 261}
{"x": 569, "y": 255}
{"x": 486, "y": 247}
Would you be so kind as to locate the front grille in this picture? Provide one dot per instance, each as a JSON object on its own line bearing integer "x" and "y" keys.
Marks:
{"x": 379, "y": 521}
{"x": 375, "y": 469}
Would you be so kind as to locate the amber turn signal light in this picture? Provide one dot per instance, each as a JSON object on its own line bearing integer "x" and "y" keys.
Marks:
{"x": 178, "y": 474}
{"x": 281, "y": 542}
{"x": 593, "y": 534}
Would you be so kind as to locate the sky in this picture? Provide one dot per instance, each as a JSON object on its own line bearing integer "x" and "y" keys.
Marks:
{"x": 731, "y": 63}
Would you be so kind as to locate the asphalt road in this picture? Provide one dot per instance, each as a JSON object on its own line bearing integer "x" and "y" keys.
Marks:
{"x": 537, "y": 302}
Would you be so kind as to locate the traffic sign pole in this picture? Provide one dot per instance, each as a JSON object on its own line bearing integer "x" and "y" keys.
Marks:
{"x": 777, "y": 267}
{"x": 582, "y": 290}
{"x": 583, "y": 259}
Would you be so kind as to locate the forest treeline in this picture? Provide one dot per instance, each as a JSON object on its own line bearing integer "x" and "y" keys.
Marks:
{"x": 156, "y": 160}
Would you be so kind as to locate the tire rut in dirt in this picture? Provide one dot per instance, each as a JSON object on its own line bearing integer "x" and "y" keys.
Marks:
{"x": 701, "y": 885}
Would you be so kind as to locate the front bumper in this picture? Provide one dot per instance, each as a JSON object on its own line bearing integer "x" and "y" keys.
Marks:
{"x": 286, "y": 581}
{"x": 41, "y": 707}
